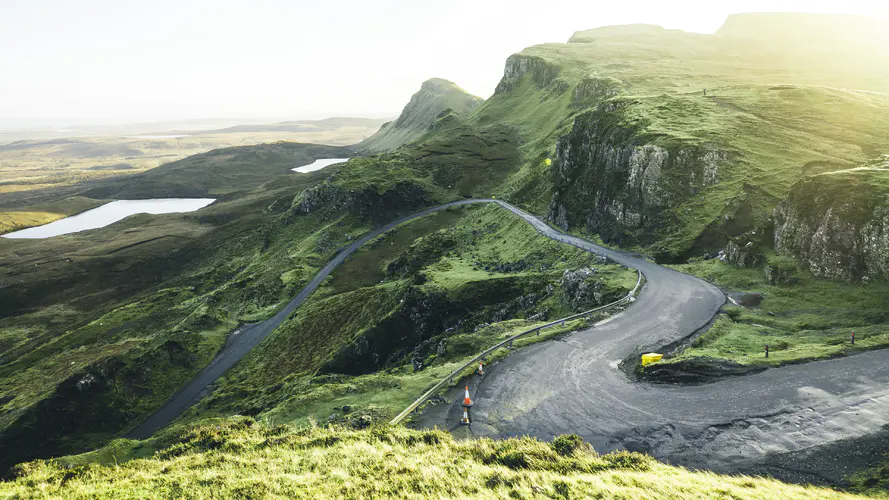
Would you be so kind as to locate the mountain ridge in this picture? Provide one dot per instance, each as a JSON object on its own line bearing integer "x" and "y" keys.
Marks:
{"x": 435, "y": 97}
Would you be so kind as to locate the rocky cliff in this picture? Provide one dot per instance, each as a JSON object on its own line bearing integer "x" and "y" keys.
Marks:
{"x": 837, "y": 224}
{"x": 518, "y": 65}
{"x": 613, "y": 179}
{"x": 436, "y": 97}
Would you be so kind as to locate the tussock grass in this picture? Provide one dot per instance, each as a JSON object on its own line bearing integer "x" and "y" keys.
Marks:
{"x": 238, "y": 457}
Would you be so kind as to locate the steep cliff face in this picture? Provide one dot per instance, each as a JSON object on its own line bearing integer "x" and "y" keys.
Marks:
{"x": 612, "y": 179}
{"x": 435, "y": 97}
{"x": 837, "y": 224}
{"x": 518, "y": 65}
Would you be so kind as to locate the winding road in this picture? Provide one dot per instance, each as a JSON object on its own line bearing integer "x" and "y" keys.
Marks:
{"x": 573, "y": 385}
{"x": 751, "y": 423}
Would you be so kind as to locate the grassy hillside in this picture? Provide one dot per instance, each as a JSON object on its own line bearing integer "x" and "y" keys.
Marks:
{"x": 642, "y": 156}
{"x": 99, "y": 328}
{"x": 773, "y": 112}
{"x": 239, "y": 457}
{"x": 805, "y": 319}
{"x": 409, "y": 307}
{"x": 436, "y": 98}
{"x": 611, "y": 133}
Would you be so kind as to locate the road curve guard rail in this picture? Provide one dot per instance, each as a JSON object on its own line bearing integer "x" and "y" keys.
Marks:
{"x": 508, "y": 342}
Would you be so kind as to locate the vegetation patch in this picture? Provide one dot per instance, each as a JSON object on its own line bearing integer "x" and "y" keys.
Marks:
{"x": 805, "y": 319}
{"x": 406, "y": 308}
{"x": 240, "y": 457}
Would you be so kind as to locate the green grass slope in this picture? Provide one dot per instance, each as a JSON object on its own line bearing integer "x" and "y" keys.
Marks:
{"x": 435, "y": 97}
{"x": 240, "y": 458}
{"x": 101, "y": 327}
{"x": 97, "y": 329}
{"x": 776, "y": 109}
{"x": 805, "y": 319}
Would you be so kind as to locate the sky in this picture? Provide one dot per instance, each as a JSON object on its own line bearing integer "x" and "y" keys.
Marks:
{"x": 111, "y": 61}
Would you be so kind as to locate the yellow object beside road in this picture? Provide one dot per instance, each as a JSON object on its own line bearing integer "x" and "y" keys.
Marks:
{"x": 651, "y": 357}
{"x": 547, "y": 162}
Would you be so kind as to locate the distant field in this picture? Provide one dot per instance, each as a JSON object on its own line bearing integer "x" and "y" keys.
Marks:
{"x": 27, "y": 165}
{"x": 44, "y": 214}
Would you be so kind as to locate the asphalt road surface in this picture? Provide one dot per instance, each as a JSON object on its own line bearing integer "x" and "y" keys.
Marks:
{"x": 750, "y": 423}
{"x": 573, "y": 385}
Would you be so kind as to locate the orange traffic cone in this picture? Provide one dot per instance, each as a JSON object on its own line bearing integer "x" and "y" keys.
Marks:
{"x": 466, "y": 401}
{"x": 465, "y": 419}
{"x": 481, "y": 370}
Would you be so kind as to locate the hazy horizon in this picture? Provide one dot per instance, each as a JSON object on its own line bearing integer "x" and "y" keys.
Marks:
{"x": 103, "y": 63}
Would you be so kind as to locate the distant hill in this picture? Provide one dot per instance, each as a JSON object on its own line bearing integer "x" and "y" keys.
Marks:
{"x": 299, "y": 126}
{"x": 434, "y": 98}
{"x": 216, "y": 172}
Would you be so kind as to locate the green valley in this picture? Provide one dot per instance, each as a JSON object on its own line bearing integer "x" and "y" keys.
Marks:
{"x": 743, "y": 174}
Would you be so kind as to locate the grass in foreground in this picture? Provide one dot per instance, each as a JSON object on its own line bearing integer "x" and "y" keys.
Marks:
{"x": 808, "y": 320}
{"x": 238, "y": 457}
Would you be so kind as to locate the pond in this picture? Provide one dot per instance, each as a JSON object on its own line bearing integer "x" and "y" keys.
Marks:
{"x": 111, "y": 213}
{"x": 319, "y": 164}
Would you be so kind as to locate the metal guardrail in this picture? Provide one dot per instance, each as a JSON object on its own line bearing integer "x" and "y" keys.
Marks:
{"x": 422, "y": 399}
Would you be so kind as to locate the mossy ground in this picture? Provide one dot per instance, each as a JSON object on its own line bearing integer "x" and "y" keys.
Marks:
{"x": 807, "y": 320}
{"x": 240, "y": 457}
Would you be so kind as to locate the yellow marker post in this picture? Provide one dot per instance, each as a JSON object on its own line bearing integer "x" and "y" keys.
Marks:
{"x": 547, "y": 162}
{"x": 650, "y": 358}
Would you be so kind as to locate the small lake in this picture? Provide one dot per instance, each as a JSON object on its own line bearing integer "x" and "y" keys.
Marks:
{"x": 109, "y": 214}
{"x": 319, "y": 164}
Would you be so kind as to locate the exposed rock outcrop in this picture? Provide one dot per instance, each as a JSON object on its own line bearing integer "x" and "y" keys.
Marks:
{"x": 582, "y": 289}
{"x": 612, "y": 179}
{"x": 325, "y": 195}
{"x": 437, "y": 98}
{"x": 743, "y": 251}
{"x": 518, "y": 65}
{"x": 378, "y": 206}
{"x": 837, "y": 224}
{"x": 594, "y": 89}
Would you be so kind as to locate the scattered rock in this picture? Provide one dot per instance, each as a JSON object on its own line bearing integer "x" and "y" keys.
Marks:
{"x": 87, "y": 381}
{"x": 743, "y": 251}
{"x": 581, "y": 289}
{"x": 750, "y": 299}
{"x": 362, "y": 422}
